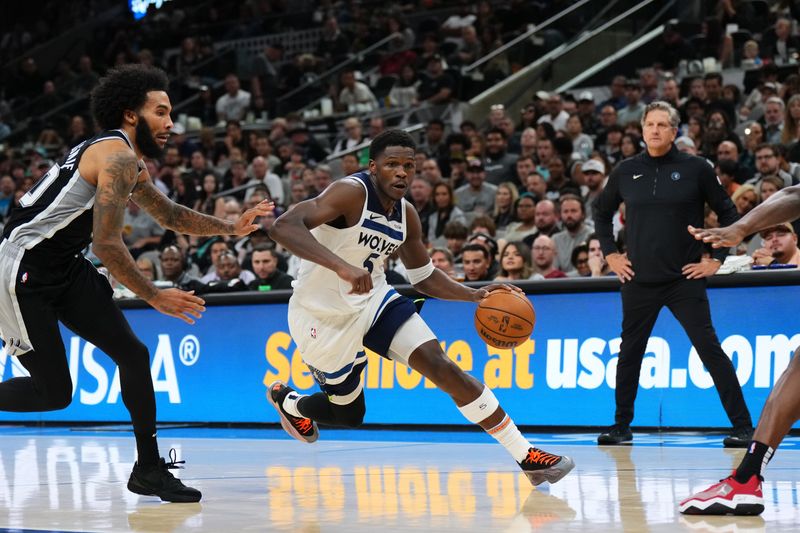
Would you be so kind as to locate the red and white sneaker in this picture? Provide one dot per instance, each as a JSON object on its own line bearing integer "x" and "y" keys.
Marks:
{"x": 727, "y": 497}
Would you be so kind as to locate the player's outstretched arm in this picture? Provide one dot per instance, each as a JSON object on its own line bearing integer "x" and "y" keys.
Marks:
{"x": 438, "y": 284}
{"x": 292, "y": 230}
{"x": 783, "y": 206}
{"x": 116, "y": 177}
{"x": 181, "y": 219}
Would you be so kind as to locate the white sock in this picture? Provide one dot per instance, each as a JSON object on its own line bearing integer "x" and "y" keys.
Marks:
{"x": 507, "y": 434}
{"x": 290, "y": 404}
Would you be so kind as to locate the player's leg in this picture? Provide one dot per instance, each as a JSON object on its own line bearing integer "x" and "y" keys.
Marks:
{"x": 89, "y": 310}
{"x": 49, "y": 384}
{"x": 341, "y": 402}
{"x": 689, "y": 303}
{"x": 415, "y": 345}
{"x": 30, "y": 331}
{"x": 740, "y": 493}
{"x": 640, "y": 308}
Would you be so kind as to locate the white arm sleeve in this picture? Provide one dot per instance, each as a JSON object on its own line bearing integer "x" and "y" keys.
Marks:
{"x": 416, "y": 275}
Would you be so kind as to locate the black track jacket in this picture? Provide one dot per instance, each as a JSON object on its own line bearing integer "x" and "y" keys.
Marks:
{"x": 662, "y": 196}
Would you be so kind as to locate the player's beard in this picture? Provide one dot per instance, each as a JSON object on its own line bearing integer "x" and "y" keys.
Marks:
{"x": 146, "y": 141}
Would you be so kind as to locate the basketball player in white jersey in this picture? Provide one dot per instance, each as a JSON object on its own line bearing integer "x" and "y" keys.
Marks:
{"x": 46, "y": 279}
{"x": 342, "y": 303}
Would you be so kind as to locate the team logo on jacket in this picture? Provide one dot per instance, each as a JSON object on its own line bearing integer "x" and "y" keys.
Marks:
{"x": 313, "y": 333}
{"x": 675, "y": 176}
{"x": 24, "y": 277}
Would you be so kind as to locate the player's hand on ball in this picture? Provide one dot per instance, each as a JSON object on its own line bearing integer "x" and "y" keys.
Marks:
{"x": 178, "y": 303}
{"x": 483, "y": 292}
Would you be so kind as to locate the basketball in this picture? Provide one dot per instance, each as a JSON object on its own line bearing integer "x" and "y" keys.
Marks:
{"x": 505, "y": 319}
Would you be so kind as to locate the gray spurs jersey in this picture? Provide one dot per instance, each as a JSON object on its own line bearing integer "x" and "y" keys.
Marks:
{"x": 53, "y": 221}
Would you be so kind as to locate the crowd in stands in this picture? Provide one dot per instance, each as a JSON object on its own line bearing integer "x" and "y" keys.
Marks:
{"x": 504, "y": 198}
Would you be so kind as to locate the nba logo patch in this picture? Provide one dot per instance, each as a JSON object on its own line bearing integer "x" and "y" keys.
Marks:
{"x": 675, "y": 176}
{"x": 313, "y": 333}
{"x": 24, "y": 277}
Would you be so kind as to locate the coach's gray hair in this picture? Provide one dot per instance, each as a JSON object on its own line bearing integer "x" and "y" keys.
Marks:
{"x": 660, "y": 105}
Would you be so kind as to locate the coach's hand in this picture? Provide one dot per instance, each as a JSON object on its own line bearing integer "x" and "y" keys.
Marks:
{"x": 620, "y": 265}
{"x": 178, "y": 303}
{"x": 706, "y": 267}
{"x": 360, "y": 279}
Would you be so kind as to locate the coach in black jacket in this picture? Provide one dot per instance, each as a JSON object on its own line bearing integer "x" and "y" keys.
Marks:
{"x": 665, "y": 191}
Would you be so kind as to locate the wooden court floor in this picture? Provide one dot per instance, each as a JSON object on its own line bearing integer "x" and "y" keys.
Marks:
{"x": 57, "y": 479}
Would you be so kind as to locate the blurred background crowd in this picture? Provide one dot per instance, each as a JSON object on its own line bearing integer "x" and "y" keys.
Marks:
{"x": 277, "y": 99}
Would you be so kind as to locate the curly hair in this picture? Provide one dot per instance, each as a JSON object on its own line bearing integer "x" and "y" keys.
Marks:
{"x": 124, "y": 88}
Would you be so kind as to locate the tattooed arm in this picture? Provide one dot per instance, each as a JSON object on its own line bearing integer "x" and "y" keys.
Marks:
{"x": 115, "y": 180}
{"x": 181, "y": 219}
{"x": 117, "y": 171}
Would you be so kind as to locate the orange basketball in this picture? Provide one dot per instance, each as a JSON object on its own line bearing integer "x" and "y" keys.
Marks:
{"x": 505, "y": 319}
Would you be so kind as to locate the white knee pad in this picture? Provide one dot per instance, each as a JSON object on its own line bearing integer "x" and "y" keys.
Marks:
{"x": 481, "y": 407}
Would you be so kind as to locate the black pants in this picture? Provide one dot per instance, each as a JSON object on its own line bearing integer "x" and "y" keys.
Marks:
{"x": 79, "y": 296}
{"x": 688, "y": 302}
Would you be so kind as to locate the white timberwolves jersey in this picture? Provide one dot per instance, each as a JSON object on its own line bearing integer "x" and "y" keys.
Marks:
{"x": 365, "y": 245}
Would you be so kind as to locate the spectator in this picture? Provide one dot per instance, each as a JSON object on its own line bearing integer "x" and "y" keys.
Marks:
{"x": 445, "y": 211}
{"x": 544, "y": 257}
{"x": 576, "y": 231}
{"x": 174, "y": 267}
{"x": 504, "y": 199}
{"x": 265, "y": 267}
{"x": 634, "y": 109}
{"x": 469, "y": 49}
{"x": 580, "y": 262}
{"x": 559, "y": 183}
{"x": 630, "y": 145}
{"x": 434, "y": 139}
{"x": 597, "y": 262}
{"x": 455, "y": 235}
{"x": 476, "y": 197}
{"x": 232, "y": 105}
{"x": 594, "y": 178}
{"x": 729, "y": 151}
{"x": 499, "y": 164}
{"x": 421, "y": 198}
{"x": 262, "y": 175}
{"x": 443, "y": 260}
{"x": 515, "y": 262}
{"x": 405, "y": 91}
{"x": 767, "y": 164}
{"x": 146, "y": 267}
{"x": 355, "y": 96}
{"x": 779, "y": 245}
{"x": 745, "y": 199}
{"x": 726, "y": 170}
{"x": 768, "y": 186}
{"x": 712, "y": 83}
{"x": 430, "y": 171}
{"x": 617, "y": 99}
{"x": 333, "y": 46}
{"x": 265, "y": 77}
{"x": 350, "y": 164}
{"x": 670, "y": 92}
{"x": 206, "y": 203}
{"x": 354, "y": 135}
{"x": 778, "y": 43}
{"x": 438, "y": 87}
{"x": 7, "y": 189}
{"x": 323, "y": 176}
{"x": 791, "y": 123}
{"x": 525, "y": 209}
{"x": 87, "y": 78}
{"x": 751, "y": 56}
{"x": 228, "y": 269}
{"x": 774, "y": 109}
{"x": 673, "y": 49}
{"x": 555, "y": 113}
{"x": 140, "y": 231}
{"x": 718, "y": 129}
{"x": 527, "y": 143}
{"x": 581, "y": 143}
{"x": 476, "y": 261}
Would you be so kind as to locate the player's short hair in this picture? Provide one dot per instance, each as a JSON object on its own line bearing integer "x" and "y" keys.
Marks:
{"x": 124, "y": 88}
{"x": 390, "y": 138}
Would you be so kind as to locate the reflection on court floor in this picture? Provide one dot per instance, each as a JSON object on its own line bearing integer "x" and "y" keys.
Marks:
{"x": 257, "y": 480}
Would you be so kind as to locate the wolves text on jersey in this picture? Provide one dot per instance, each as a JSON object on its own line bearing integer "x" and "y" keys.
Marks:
{"x": 376, "y": 243}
